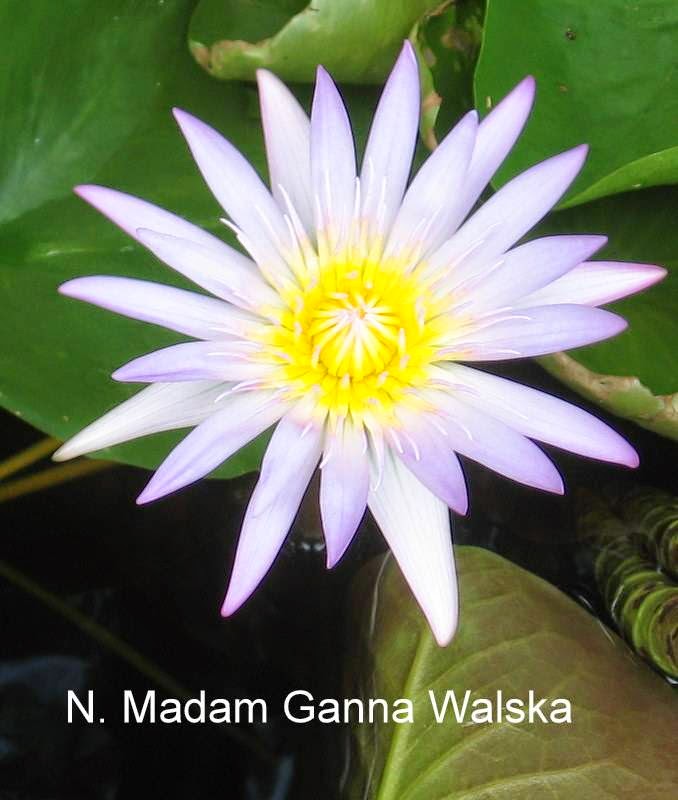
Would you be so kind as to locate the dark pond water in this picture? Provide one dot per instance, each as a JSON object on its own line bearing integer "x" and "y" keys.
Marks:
{"x": 155, "y": 577}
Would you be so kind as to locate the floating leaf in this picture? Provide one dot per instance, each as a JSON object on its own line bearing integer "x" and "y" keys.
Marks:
{"x": 517, "y": 634}
{"x": 356, "y": 41}
{"x": 634, "y": 375}
{"x": 606, "y": 74}
{"x": 86, "y": 114}
{"x": 653, "y": 170}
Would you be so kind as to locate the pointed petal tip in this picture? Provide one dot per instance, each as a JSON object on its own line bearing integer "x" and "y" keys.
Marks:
{"x": 614, "y": 448}
{"x": 407, "y": 53}
{"x": 523, "y": 92}
{"x": 122, "y": 374}
{"x": 232, "y": 602}
{"x": 628, "y": 456}
{"x": 469, "y": 122}
{"x": 160, "y": 486}
{"x": 579, "y": 153}
{"x": 550, "y": 481}
{"x": 528, "y": 84}
{"x": 652, "y": 273}
{"x": 333, "y": 555}
{"x": 147, "y": 495}
{"x": 87, "y": 190}
{"x": 444, "y": 630}
{"x": 568, "y": 161}
{"x": 555, "y": 487}
{"x": 574, "y": 158}
{"x": 267, "y": 80}
{"x": 617, "y": 325}
{"x": 72, "y": 288}
{"x": 461, "y": 507}
{"x": 63, "y": 453}
{"x": 183, "y": 118}
{"x": 321, "y": 74}
{"x": 156, "y": 489}
{"x": 444, "y": 638}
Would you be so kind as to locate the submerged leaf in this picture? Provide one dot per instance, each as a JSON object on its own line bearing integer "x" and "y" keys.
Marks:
{"x": 517, "y": 634}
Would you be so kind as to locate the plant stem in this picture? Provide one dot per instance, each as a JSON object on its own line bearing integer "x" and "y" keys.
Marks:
{"x": 29, "y": 456}
{"x": 52, "y": 476}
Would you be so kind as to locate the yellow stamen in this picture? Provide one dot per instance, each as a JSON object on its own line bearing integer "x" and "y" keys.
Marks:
{"x": 364, "y": 334}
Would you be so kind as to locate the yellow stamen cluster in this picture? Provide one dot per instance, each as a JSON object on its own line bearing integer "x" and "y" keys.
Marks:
{"x": 358, "y": 336}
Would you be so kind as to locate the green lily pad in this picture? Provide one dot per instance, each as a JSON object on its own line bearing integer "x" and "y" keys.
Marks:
{"x": 606, "y": 75}
{"x": 356, "y": 41}
{"x": 517, "y": 634}
{"x": 635, "y": 374}
{"x": 85, "y": 114}
{"x": 656, "y": 169}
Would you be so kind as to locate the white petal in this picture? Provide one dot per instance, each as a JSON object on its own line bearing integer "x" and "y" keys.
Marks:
{"x": 432, "y": 207}
{"x": 287, "y": 131}
{"x": 241, "y": 193}
{"x": 429, "y": 456}
{"x": 344, "y": 482}
{"x": 332, "y": 162}
{"x": 497, "y": 134}
{"x": 485, "y": 439}
{"x": 288, "y": 465}
{"x": 221, "y": 270}
{"x": 241, "y": 418}
{"x": 509, "y": 214}
{"x": 195, "y": 361}
{"x": 161, "y": 407}
{"x": 525, "y": 269}
{"x": 182, "y": 311}
{"x": 526, "y": 332}
{"x": 540, "y": 416}
{"x": 390, "y": 145}
{"x": 596, "y": 283}
{"x": 416, "y": 525}
{"x": 132, "y": 213}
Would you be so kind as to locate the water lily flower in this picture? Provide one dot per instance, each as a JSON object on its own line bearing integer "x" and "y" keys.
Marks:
{"x": 349, "y": 323}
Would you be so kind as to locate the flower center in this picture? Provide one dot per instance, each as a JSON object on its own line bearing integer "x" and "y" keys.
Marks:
{"x": 357, "y": 336}
{"x": 354, "y": 332}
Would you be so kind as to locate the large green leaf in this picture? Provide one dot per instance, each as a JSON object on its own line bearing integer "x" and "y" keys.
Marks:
{"x": 517, "y": 634}
{"x": 634, "y": 375}
{"x": 98, "y": 112}
{"x": 356, "y": 41}
{"x": 606, "y": 74}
